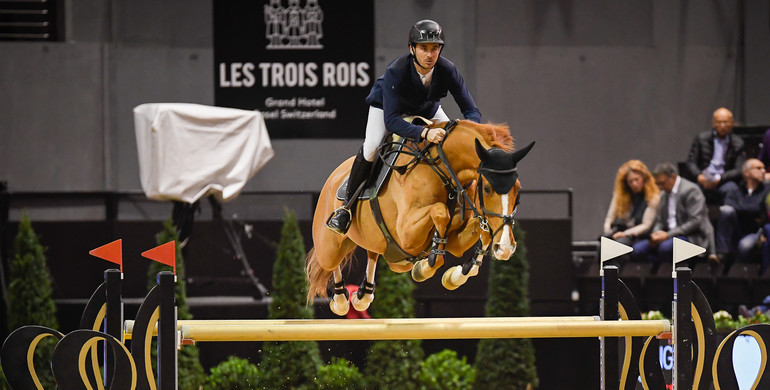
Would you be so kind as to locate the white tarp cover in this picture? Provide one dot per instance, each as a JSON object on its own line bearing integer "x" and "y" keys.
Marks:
{"x": 187, "y": 151}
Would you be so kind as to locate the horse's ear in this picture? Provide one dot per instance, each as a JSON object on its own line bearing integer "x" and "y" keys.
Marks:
{"x": 519, "y": 154}
{"x": 481, "y": 151}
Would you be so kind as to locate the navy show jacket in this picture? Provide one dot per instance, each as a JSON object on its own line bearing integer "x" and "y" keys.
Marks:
{"x": 399, "y": 92}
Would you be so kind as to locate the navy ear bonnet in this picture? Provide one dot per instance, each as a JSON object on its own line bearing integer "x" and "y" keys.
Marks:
{"x": 498, "y": 167}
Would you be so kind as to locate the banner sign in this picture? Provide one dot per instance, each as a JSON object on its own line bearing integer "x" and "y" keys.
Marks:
{"x": 306, "y": 65}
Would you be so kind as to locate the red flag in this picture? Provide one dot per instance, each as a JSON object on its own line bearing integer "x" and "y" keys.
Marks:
{"x": 165, "y": 254}
{"x": 112, "y": 252}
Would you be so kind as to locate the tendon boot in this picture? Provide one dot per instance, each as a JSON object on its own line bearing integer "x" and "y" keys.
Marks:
{"x": 339, "y": 221}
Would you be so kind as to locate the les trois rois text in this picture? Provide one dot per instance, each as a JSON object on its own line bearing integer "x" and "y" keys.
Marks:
{"x": 295, "y": 75}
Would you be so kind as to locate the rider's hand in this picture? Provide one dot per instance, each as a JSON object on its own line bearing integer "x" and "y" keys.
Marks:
{"x": 435, "y": 135}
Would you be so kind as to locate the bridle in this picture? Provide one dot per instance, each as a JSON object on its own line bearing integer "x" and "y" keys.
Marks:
{"x": 455, "y": 189}
{"x": 508, "y": 219}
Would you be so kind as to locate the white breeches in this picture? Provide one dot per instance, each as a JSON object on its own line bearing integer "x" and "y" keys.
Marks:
{"x": 375, "y": 130}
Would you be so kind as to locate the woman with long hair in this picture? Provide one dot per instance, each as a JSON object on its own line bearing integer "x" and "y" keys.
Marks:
{"x": 634, "y": 204}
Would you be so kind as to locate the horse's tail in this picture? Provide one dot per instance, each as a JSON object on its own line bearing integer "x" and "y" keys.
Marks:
{"x": 318, "y": 278}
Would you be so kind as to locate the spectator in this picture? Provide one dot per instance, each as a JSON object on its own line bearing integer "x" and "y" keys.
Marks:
{"x": 764, "y": 153}
{"x": 716, "y": 157}
{"x": 634, "y": 204}
{"x": 682, "y": 214}
{"x": 738, "y": 230}
{"x": 765, "y": 239}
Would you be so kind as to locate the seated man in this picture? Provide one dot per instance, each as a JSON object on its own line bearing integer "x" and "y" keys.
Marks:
{"x": 682, "y": 213}
{"x": 716, "y": 157}
{"x": 738, "y": 229}
{"x": 764, "y": 153}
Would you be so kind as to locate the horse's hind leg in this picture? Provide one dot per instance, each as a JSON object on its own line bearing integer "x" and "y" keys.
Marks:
{"x": 365, "y": 295}
{"x": 339, "y": 302}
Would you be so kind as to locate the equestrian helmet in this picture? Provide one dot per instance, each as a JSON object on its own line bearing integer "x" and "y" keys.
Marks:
{"x": 426, "y": 31}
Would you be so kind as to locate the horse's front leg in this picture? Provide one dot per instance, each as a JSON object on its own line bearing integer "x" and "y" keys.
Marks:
{"x": 415, "y": 226}
{"x": 365, "y": 294}
{"x": 459, "y": 274}
{"x": 460, "y": 241}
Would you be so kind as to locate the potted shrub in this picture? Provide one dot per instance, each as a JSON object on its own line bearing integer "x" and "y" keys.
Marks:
{"x": 340, "y": 374}
{"x": 444, "y": 370}
{"x": 30, "y": 295}
{"x": 233, "y": 373}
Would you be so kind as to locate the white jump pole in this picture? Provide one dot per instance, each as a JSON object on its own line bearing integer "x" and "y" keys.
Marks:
{"x": 129, "y": 324}
{"x": 428, "y": 328}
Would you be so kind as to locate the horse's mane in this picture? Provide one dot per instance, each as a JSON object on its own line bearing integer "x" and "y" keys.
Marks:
{"x": 497, "y": 135}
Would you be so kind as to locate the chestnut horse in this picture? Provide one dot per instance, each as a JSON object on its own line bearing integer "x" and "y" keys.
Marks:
{"x": 415, "y": 211}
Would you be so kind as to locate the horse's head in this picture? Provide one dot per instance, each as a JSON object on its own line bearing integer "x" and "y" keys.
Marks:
{"x": 498, "y": 195}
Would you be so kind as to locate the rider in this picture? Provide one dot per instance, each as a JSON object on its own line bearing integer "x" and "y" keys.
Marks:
{"x": 412, "y": 85}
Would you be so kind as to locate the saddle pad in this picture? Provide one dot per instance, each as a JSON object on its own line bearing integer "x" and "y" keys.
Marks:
{"x": 384, "y": 172}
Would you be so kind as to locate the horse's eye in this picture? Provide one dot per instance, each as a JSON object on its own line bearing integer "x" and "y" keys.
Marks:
{"x": 487, "y": 190}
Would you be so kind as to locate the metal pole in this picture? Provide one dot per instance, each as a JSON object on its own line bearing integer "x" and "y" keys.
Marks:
{"x": 682, "y": 378}
{"x": 113, "y": 320}
{"x": 610, "y": 378}
{"x": 167, "y": 335}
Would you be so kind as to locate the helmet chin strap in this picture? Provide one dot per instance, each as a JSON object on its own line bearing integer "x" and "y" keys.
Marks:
{"x": 414, "y": 56}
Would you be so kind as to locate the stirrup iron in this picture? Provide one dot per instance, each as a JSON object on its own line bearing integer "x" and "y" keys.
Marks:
{"x": 335, "y": 216}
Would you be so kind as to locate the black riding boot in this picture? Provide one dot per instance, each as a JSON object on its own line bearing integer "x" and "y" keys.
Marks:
{"x": 339, "y": 221}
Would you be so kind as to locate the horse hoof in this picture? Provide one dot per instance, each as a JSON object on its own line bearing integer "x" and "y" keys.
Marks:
{"x": 419, "y": 272}
{"x": 363, "y": 303}
{"x": 452, "y": 281}
{"x": 339, "y": 306}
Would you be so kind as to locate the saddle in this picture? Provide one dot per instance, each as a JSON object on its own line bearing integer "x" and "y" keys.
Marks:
{"x": 396, "y": 143}
{"x": 384, "y": 168}
{"x": 393, "y": 252}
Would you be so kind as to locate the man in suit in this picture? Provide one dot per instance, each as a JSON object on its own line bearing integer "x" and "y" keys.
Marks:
{"x": 716, "y": 157}
{"x": 682, "y": 214}
{"x": 738, "y": 230}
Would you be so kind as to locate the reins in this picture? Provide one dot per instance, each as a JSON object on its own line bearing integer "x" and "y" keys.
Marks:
{"x": 455, "y": 189}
